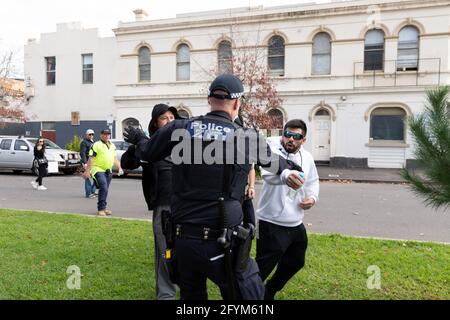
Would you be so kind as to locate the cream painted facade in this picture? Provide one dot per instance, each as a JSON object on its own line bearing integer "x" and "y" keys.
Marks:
{"x": 337, "y": 107}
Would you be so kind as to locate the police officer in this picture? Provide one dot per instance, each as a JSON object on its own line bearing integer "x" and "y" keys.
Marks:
{"x": 208, "y": 190}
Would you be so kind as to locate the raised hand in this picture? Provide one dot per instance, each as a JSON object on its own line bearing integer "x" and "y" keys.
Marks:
{"x": 133, "y": 135}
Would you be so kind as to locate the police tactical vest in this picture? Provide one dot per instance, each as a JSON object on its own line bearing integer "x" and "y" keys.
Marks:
{"x": 200, "y": 181}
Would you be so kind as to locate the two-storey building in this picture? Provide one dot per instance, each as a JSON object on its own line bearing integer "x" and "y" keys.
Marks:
{"x": 353, "y": 70}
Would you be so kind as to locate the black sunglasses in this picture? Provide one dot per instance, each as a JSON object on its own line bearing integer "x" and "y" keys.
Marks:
{"x": 295, "y": 135}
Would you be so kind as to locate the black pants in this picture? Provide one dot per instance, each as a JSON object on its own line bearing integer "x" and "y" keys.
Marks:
{"x": 42, "y": 173}
{"x": 198, "y": 260}
{"x": 283, "y": 247}
{"x": 194, "y": 267}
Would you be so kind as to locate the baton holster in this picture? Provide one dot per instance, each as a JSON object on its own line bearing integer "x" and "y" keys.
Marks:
{"x": 169, "y": 256}
{"x": 243, "y": 240}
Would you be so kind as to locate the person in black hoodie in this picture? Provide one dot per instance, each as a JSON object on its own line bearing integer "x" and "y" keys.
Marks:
{"x": 157, "y": 189}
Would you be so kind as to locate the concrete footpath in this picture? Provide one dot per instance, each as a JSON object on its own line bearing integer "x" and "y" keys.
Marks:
{"x": 363, "y": 175}
{"x": 360, "y": 175}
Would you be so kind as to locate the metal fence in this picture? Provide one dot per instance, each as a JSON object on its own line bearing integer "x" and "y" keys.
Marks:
{"x": 417, "y": 72}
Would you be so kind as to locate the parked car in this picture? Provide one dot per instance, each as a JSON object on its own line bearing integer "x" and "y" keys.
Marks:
{"x": 121, "y": 147}
{"x": 16, "y": 154}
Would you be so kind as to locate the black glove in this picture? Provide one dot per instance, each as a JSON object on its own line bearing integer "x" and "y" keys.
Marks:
{"x": 294, "y": 166}
{"x": 133, "y": 135}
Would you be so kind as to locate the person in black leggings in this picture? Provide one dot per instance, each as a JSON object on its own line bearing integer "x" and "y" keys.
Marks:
{"x": 39, "y": 155}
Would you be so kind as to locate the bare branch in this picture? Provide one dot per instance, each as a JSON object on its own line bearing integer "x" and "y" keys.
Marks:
{"x": 11, "y": 95}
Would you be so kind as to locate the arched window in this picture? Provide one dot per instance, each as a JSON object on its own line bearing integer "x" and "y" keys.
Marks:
{"x": 225, "y": 57}
{"x": 408, "y": 49}
{"x": 321, "y": 54}
{"x": 387, "y": 124}
{"x": 144, "y": 64}
{"x": 277, "y": 118}
{"x": 183, "y": 62}
{"x": 322, "y": 112}
{"x": 276, "y": 56}
{"x": 130, "y": 122}
{"x": 374, "y": 50}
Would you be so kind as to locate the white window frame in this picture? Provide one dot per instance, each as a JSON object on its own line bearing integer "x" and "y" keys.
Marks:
{"x": 52, "y": 71}
{"x": 276, "y": 72}
{"x": 404, "y": 46}
{"x": 315, "y": 70}
{"x": 222, "y": 61}
{"x": 182, "y": 62}
{"x": 388, "y": 111}
{"x": 382, "y": 50}
{"x": 87, "y": 68}
{"x": 141, "y": 65}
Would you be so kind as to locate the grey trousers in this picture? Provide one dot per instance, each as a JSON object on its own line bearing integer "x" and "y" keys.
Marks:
{"x": 165, "y": 289}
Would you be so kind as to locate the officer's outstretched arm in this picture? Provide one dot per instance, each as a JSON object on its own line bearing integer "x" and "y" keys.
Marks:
{"x": 159, "y": 146}
{"x": 273, "y": 162}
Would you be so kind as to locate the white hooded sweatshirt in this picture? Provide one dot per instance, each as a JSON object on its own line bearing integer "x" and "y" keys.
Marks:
{"x": 274, "y": 205}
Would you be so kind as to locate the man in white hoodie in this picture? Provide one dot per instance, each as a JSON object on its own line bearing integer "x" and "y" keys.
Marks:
{"x": 282, "y": 240}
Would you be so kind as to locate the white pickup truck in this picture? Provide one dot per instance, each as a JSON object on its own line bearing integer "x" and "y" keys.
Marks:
{"x": 16, "y": 154}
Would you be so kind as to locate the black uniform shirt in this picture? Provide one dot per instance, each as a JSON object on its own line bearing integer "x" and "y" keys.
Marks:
{"x": 195, "y": 211}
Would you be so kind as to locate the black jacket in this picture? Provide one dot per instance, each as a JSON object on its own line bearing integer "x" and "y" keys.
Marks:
{"x": 39, "y": 154}
{"x": 85, "y": 147}
{"x": 156, "y": 178}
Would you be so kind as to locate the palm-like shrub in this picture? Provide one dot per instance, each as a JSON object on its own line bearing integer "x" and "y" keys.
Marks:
{"x": 431, "y": 131}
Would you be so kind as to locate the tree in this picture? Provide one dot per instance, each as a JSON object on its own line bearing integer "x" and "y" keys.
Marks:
{"x": 11, "y": 96}
{"x": 249, "y": 63}
{"x": 261, "y": 94}
{"x": 431, "y": 131}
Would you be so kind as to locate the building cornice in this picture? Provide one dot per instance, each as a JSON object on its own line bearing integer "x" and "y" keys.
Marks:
{"x": 334, "y": 9}
{"x": 288, "y": 93}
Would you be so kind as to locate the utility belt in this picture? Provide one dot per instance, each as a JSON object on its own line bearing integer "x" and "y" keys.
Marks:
{"x": 197, "y": 233}
{"x": 239, "y": 233}
{"x": 239, "y": 237}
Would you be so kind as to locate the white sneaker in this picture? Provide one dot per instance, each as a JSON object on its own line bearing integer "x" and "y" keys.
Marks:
{"x": 42, "y": 188}
{"x": 34, "y": 184}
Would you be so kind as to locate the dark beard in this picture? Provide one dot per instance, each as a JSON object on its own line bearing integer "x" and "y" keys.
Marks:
{"x": 290, "y": 149}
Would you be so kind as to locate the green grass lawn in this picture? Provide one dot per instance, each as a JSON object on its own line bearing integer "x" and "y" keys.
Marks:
{"x": 116, "y": 262}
